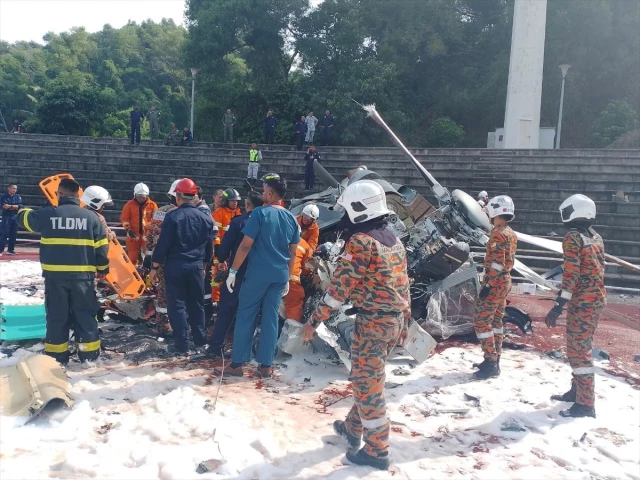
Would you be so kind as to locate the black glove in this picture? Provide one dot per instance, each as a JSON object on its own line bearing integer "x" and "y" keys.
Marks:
{"x": 555, "y": 312}
{"x": 131, "y": 234}
{"x": 146, "y": 263}
{"x": 484, "y": 292}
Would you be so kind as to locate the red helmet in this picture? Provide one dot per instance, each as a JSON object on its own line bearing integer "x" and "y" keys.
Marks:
{"x": 186, "y": 186}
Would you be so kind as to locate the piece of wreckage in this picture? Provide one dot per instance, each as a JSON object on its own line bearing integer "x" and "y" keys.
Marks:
{"x": 444, "y": 279}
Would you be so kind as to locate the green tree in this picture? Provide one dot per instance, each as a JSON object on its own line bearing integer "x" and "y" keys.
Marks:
{"x": 445, "y": 133}
{"x": 615, "y": 120}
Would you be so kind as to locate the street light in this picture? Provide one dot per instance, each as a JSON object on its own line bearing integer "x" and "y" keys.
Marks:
{"x": 194, "y": 70}
{"x": 564, "y": 68}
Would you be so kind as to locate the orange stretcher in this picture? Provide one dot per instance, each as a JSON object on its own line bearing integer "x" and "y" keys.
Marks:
{"x": 123, "y": 275}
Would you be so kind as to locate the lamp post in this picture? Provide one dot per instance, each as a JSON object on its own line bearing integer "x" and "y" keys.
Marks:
{"x": 194, "y": 70}
{"x": 564, "y": 68}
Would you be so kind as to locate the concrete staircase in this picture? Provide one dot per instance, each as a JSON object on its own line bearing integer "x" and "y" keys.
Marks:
{"x": 537, "y": 180}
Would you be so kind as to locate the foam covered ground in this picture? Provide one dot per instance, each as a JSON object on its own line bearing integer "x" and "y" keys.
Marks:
{"x": 157, "y": 421}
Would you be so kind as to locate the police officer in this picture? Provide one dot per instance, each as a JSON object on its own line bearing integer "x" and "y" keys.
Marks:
{"x": 228, "y": 305}
{"x": 73, "y": 249}
{"x": 184, "y": 246}
{"x": 583, "y": 289}
{"x": 163, "y": 326}
{"x": 492, "y": 299}
{"x": 372, "y": 275}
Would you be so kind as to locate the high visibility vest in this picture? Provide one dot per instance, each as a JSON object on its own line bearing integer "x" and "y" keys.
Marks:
{"x": 254, "y": 156}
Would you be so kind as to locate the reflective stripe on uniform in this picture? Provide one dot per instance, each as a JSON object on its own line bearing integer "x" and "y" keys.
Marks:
{"x": 485, "y": 335}
{"x": 56, "y": 348}
{"x": 207, "y": 297}
{"x": 218, "y": 224}
{"x": 302, "y": 249}
{"x": 26, "y": 221}
{"x": 582, "y": 370}
{"x": 294, "y": 278}
{"x": 89, "y": 346}
{"x": 149, "y": 252}
{"x": 374, "y": 423}
{"x": 332, "y": 302}
{"x": 497, "y": 267}
{"x": 80, "y": 242}
{"x": 161, "y": 309}
{"x": 47, "y": 267}
{"x": 102, "y": 267}
{"x": 498, "y": 331}
{"x": 566, "y": 295}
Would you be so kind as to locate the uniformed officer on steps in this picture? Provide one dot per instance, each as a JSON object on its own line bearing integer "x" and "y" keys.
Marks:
{"x": 185, "y": 245}
{"x": 73, "y": 250}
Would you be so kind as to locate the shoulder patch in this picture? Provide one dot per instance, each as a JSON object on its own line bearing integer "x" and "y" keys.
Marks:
{"x": 159, "y": 215}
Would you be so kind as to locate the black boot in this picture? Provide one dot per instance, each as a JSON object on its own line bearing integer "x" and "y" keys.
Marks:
{"x": 578, "y": 410}
{"x": 482, "y": 365}
{"x": 490, "y": 371}
{"x": 360, "y": 457}
{"x": 341, "y": 429}
{"x": 569, "y": 396}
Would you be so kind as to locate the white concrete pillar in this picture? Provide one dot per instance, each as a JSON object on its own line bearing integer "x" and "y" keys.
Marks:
{"x": 524, "y": 92}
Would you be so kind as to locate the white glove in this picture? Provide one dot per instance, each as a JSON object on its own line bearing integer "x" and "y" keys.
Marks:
{"x": 231, "y": 281}
{"x": 286, "y": 290}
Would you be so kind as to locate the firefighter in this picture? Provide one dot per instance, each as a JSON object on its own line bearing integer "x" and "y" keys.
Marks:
{"x": 222, "y": 217}
{"x": 96, "y": 198}
{"x": 372, "y": 276}
{"x": 294, "y": 299}
{"x": 308, "y": 222}
{"x": 73, "y": 250}
{"x": 483, "y": 198}
{"x": 583, "y": 289}
{"x": 228, "y": 305}
{"x": 153, "y": 233}
{"x": 136, "y": 218}
{"x": 184, "y": 245}
{"x": 496, "y": 285}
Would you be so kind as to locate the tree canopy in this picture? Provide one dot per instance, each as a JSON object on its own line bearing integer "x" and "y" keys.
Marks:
{"x": 436, "y": 69}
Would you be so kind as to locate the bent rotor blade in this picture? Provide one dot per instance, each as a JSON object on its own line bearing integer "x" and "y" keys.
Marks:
{"x": 545, "y": 243}
{"x": 439, "y": 191}
{"x": 556, "y": 246}
{"x": 532, "y": 276}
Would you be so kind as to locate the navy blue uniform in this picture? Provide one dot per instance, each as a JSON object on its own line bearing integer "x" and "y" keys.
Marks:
{"x": 301, "y": 133}
{"x": 309, "y": 174}
{"x": 9, "y": 225}
{"x": 136, "y": 118}
{"x": 228, "y": 305}
{"x": 327, "y": 125}
{"x": 73, "y": 247}
{"x": 184, "y": 246}
{"x": 270, "y": 124}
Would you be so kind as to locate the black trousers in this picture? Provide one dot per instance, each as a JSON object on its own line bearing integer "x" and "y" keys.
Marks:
{"x": 135, "y": 133}
{"x": 309, "y": 177}
{"x": 299, "y": 140}
{"x": 227, "y": 308}
{"x": 269, "y": 136}
{"x": 185, "y": 303}
{"x": 8, "y": 230}
{"x": 325, "y": 133}
{"x": 208, "y": 302}
{"x": 60, "y": 298}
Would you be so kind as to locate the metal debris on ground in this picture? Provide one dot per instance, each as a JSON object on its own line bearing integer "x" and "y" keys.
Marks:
{"x": 401, "y": 372}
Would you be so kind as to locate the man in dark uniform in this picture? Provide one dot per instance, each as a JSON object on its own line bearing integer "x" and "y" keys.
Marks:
{"x": 184, "y": 246}
{"x": 136, "y": 121}
{"x": 73, "y": 249}
{"x": 228, "y": 305}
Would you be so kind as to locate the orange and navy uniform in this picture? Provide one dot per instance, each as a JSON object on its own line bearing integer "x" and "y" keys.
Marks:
{"x": 222, "y": 218}
{"x": 294, "y": 299}
{"x": 136, "y": 217}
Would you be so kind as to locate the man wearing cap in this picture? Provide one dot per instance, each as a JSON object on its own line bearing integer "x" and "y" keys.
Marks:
{"x": 184, "y": 247}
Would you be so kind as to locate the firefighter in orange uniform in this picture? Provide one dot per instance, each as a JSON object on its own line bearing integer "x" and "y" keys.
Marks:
{"x": 294, "y": 299}
{"x": 222, "y": 217}
{"x": 136, "y": 218}
{"x": 310, "y": 230}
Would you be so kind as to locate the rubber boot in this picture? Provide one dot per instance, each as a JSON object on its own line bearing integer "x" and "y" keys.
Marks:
{"x": 578, "y": 410}
{"x": 341, "y": 429}
{"x": 360, "y": 457}
{"x": 569, "y": 396}
{"x": 490, "y": 371}
{"x": 482, "y": 365}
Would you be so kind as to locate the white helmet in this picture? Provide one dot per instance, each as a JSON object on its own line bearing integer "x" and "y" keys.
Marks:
{"x": 96, "y": 197}
{"x": 363, "y": 200}
{"x": 578, "y": 207}
{"x": 141, "y": 189}
{"x": 501, "y": 205}
{"x": 172, "y": 190}
{"x": 311, "y": 211}
{"x": 483, "y": 195}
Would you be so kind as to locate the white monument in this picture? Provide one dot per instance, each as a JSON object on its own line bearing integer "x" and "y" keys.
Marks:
{"x": 524, "y": 92}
